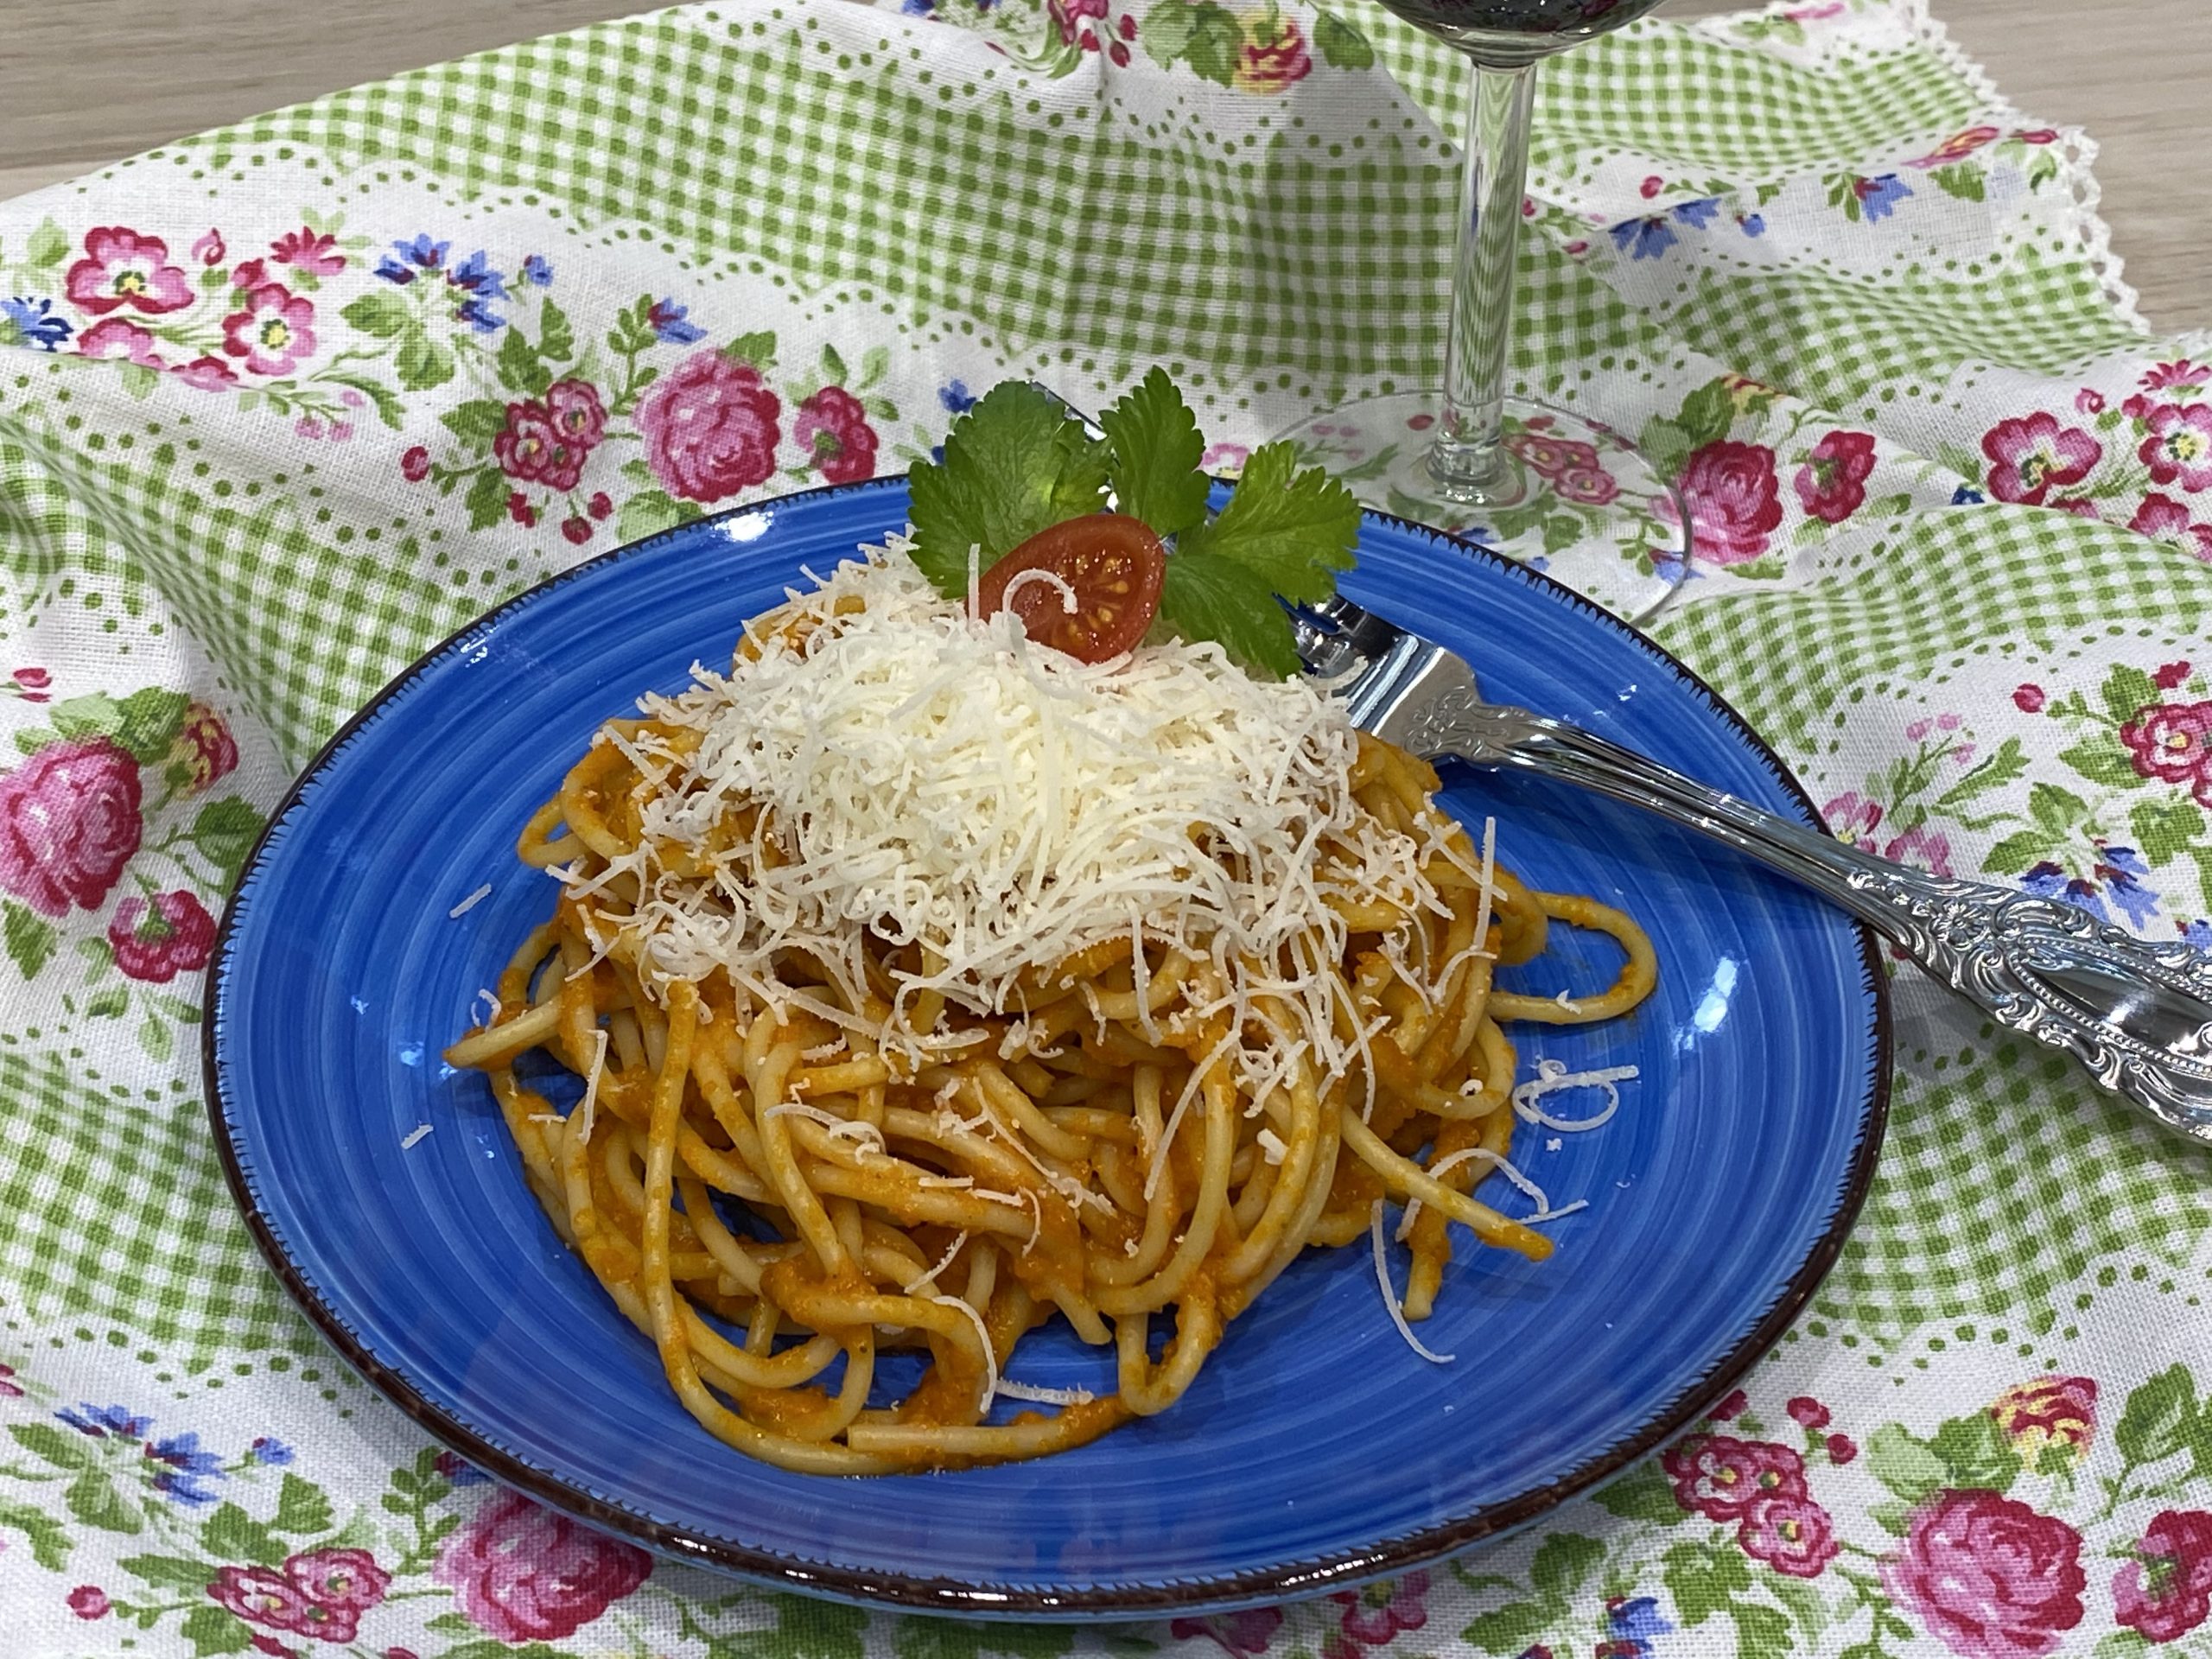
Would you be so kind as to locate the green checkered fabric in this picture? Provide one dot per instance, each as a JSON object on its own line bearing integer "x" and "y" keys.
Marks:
{"x": 1954, "y": 543}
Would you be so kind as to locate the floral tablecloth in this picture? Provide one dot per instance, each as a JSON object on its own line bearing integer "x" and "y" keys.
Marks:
{"x": 282, "y": 404}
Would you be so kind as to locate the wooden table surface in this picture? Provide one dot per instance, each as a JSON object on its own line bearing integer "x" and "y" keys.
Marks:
{"x": 2134, "y": 72}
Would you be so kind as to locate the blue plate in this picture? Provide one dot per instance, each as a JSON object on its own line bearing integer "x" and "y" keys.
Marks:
{"x": 1315, "y": 1449}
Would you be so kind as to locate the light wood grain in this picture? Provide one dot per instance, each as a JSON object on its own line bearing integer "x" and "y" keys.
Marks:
{"x": 2132, "y": 72}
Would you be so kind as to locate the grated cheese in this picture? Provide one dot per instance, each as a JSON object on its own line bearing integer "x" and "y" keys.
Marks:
{"x": 1552, "y": 1076}
{"x": 407, "y": 1141}
{"x": 1390, "y": 1297}
{"x": 942, "y": 782}
{"x": 471, "y": 902}
{"x": 1036, "y": 1393}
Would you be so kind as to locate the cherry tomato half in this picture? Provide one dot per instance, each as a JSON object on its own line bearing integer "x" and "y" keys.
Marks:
{"x": 1113, "y": 563}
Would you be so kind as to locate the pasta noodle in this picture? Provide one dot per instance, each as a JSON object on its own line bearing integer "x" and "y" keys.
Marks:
{"x": 795, "y": 1158}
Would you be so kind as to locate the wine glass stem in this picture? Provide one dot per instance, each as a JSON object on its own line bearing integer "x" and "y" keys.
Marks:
{"x": 1465, "y": 456}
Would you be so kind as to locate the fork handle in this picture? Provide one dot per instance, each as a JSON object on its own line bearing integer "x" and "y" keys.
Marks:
{"x": 2138, "y": 1015}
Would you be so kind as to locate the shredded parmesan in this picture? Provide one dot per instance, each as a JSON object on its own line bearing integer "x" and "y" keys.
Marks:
{"x": 990, "y": 1356}
{"x": 1552, "y": 1076}
{"x": 588, "y": 1105}
{"x": 407, "y": 1142}
{"x": 1504, "y": 1166}
{"x": 1390, "y": 1297}
{"x": 905, "y": 770}
{"x": 1271, "y": 1146}
{"x": 1009, "y": 1389}
{"x": 915, "y": 1287}
{"x": 471, "y": 902}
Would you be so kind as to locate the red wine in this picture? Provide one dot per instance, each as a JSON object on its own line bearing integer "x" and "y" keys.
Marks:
{"x": 1509, "y": 33}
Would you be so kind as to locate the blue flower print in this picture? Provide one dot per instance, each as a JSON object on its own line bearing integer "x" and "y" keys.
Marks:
{"x": 2197, "y": 933}
{"x": 274, "y": 1453}
{"x": 666, "y": 319}
{"x": 1697, "y": 214}
{"x": 918, "y": 8}
{"x": 2048, "y": 881}
{"x": 1752, "y": 224}
{"x": 1643, "y": 239}
{"x": 955, "y": 397}
{"x": 1879, "y": 197}
{"x": 1630, "y": 1623}
{"x": 2120, "y": 869}
{"x": 458, "y": 1469}
{"x": 100, "y": 1421}
{"x": 537, "y": 270}
{"x": 1966, "y": 496}
{"x": 479, "y": 316}
{"x": 188, "y": 1466}
{"x": 475, "y": 274}
{"x": 392, "y": 271}
{"x": 36, "y": 323}
{"x": 423, "y": 252}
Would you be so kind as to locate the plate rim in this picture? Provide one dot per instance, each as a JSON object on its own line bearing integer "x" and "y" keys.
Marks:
{"x": 933, "y": 1593}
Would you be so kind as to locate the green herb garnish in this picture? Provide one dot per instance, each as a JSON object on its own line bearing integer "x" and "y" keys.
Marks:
{"x": 1018, "y": 463}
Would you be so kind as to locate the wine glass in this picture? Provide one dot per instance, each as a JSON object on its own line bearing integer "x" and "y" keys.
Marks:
{"x": 1558, "y": 490}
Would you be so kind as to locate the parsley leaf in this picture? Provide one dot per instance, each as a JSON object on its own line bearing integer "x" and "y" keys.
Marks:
{"x": 1219, "y": 599}
{"x": 1014, "y": 464}
{"x": 1295, "y": 533}
{"x": 1155, "y": 446}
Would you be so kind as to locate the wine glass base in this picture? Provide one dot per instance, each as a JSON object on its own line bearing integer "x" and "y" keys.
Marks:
{"x": 1573, "y": 499}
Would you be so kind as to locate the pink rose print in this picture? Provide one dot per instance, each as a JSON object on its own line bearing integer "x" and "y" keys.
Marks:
{"x": 2172, "y": 742}
{"x": 1851, "y": 818}
{"x": 114, "y": 337}
{"x": 2080, "y": 506}
{"x": 1240, "y": 1636}
{"x": 415, "y": 464}
{"x": 207, "y": 374}
{"x": 204, "y": 748}
{"x": 1735, "y": 502}
{"x": 309, "y": 250}
{"x": 1807, "y": 1412}
{"x": 1374, "y": 1614}
{"x": 209, "y": 250}
{"x": 531, "y": 447}
{"x": 1721, "y": 1478}
{"x": 174, "y": 936}
{"x": 1224, "y": 458}
{"x": 1733, "y": 1405}
{"x": 1957, "y": 146}
{"x": 1989, "y": 1577}
{"x": 1832, "y": 484}
{"x": 88, "y": 1601}
{"x": 343, "y": 1584}
{"x": 575, "y": 412}
{"x": 1549, "y": 456}
{"x": 2179, "y": 449}
{"x": 2032, "y": 454}
{"x": 2166, "y": 1591}
{"x": 1273, "y": 59}
{"x": 1841, "y": 1448}
{"x": 2168, "y": 675}
{"x": 2181, "y": 372}
{"x": 68, "y": 823}
{"x": 577, "y": 528}
{"x": 122, "y": 268}
{"x": 2158, "y": 515}
{"x": 834, "y": 426}
{"x": 1069, "y": 16}
{"x": 1923, "y": 850}
{"x": 260, "y": 1595}
{"x": 1791, "y": 1535}
{"x": 1588, "y": 485}
{"x": 274, "y": 332}
{"x": 525, "y": 1574}
{"x": 710, "y": 428}
{"x": 2050, "y": 1411}
{"x": 2029, "y": 699}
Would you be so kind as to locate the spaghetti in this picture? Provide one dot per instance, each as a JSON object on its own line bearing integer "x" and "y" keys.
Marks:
{"x": 982, "y": 987}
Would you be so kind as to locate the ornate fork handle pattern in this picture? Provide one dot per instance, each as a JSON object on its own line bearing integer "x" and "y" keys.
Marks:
{"x": 2138, "y": 1015}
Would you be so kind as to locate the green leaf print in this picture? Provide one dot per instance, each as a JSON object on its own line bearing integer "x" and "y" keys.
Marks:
{"x": 148, "y": 721}
{"x": 947, "y": 1639}
{"x": 2126, "y": 689}
{"x": 803, "y": 1630}
{"x": 48, "y": 1539}
{"x": 1563, "y": 1561}
{"x": 212, "y": 1630}
{"x": 93, "y": 1498}
{"x": 1509, "y": 1628}
{"x": 1706, "y": 415}
{"x": 51, "y": 1445}
{"x": 2019, "y": 850}
{"x": 1217, "y": 42}
{"x": 1963, "y": 181}
{"x": 521, "y": 370}
{"x": 381, "y": 315}
{"x": 1975, "y": 1453}
{"x": 29, "y": 939}
{"x": 1994, "y": 771}
{"x": 555, "y": 338}
{"x": 2159, "y": 1418}
{"x": 488, "y": 498}
{"x": 1642, "y": 1494}
{"x": 2054, "y": 809}
{"x": 1761, "y": 1632}
{"x": 1704, "y": 1579}
{"x": 1342, "y": 46}
{"x": 1909, "y": 1467}
{"x": 757, "y": 350}
{"x": 650, "y": 511}
{"x": 422, "y": 363}
{"x": 301, "y": 1508}
{"x": 171, "y": 1571}
{"x": 225, "y": 831}
{"x": 2164, "y": 830}
{"x": 2099, "y": 761}
{"x": 476, "y": 422}
{"x": 232, "y": 1534}
{"x": 49, "y": 245}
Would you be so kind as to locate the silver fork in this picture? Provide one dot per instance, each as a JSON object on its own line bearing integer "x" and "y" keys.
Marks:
{"x": 2138, "y": 1015}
